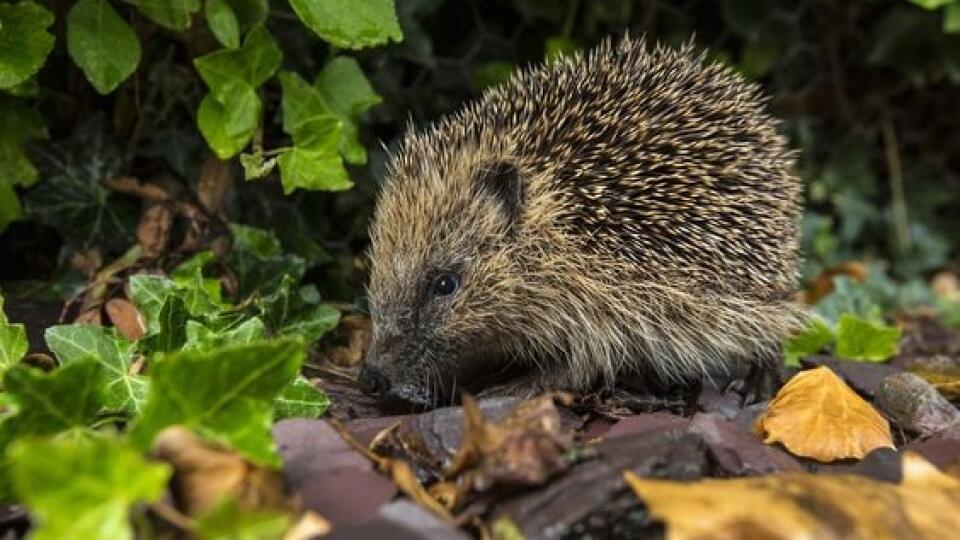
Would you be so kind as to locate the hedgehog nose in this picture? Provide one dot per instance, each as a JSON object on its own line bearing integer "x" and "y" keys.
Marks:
{"x": 373, "y": 381}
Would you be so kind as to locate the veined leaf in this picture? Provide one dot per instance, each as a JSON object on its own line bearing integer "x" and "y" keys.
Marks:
{"x": 223, "y": 23}
{"x": 172, "y": 14}
{"x": 102, "y": 44}
{"x": 347, "y": 93}
{"x": 13, "y": 342}
{"x": 350, "y": 24}
{"x": 149, "y": 293}
{"x": 225, "y": 395}
{"x": 201, "y": 338}
{"x": 24, "y": 41}
{"x": 84, "y": 487}
{"x": 300, "y": 399}
{"x": 859, "y": 339}
{"x": 80, "y": 342}
{"x": 313, "y": 170}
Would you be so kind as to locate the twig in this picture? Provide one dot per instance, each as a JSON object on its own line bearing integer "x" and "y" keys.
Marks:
{"x": 891, "y": 150}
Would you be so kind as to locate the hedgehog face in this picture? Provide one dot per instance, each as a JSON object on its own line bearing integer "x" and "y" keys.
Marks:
{"x": 441, "y": 268}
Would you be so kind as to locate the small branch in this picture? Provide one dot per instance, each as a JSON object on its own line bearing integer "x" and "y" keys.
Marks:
{"x": 891, "y": 151}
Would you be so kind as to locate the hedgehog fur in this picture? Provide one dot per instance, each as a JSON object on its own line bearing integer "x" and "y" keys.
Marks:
{"x": 629, "y": 210}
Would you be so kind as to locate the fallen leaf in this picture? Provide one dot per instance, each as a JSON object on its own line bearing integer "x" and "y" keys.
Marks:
{"x": 351, "y": 339}
{"x": 309, "y": 526}
{"x": 153, "y": 230}
{"x": 205, "y": 474}
{"x": 946, "y": 285}
{"x": 126, "y": 318}
{"x": 214, "y": 183}
{"x": 86, "y": 261}
{"x": 803, "y": 505}
{"x": 525, "y": 448}
{"x": 817, "y": 415}
{"x": 822, "y": 285}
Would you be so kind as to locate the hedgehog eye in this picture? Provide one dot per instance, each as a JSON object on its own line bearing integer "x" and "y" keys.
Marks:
{"x": 446, "y": 284}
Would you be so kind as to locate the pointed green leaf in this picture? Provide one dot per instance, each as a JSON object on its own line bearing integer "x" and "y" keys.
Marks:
{"x": 223, "y": 23}
{"x": 149, "y": 294}
{"x": 860, "y": 339}
{"x": 24, "y": 41}
{"x": 312, "y": 170}
{"x": 172, "y": 14}
{"x": 48, "y": 403}
{"x": 255, "y": 166}
{"x": 253, "y": 63}
{"x": 228, "y": 125}
{"x": 249, "y": 12}
{"x": 350, "y": 24}
{"x": 225, "y": 395}
{"x": 258, "y": 263}
{"x": 20, "y": 123}
{"x": 347, "y": 93}
{"x": 13, "y": 342}
{"x": 123, "y": 391}
{"x": 84, "y": 487}
{"x": 300, "y": 399}
{"x": 203, "y": 338}
{"x": 810, "y": 341}
{"x": 229, "y": 521}
{"x": 172, "y": 321}
{"x": 102, "y": 44}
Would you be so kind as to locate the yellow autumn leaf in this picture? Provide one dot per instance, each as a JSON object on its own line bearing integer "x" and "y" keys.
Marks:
{"x": 802, "y": 505}
{"x": 817, "y": 415}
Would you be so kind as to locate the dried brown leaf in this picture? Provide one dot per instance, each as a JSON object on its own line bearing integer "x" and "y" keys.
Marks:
{"x": 214, "y": 183}
{"x": 817, "y": 415}
{"x": 153, "y": 231}
{"x": 803, "y": 505}
{"x": 126, "y": 318}
{"x": 206, "y": 473}
{"x": 526, "y": 447}
{"x": 87, "y": 261}
{"x": 350, "y": 340}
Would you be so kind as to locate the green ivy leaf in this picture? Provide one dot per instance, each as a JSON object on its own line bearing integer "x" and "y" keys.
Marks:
{"x": 249, "y": 13}
{"x": 300, "y": 399}
{"x": 228, "y": 520}
{"x": 810, "y": 341}
{"x": 932, "y": 4}
{"x": 347, "y": 93}
{"x": 312, "y": 170}
{"x": 228, "y": 126}
{"x": 10, "y": 209}
{"x": 71, "y": 198}
{"x": 297, "y": 312}
{"x": 860, "y": 339}
{"x": 20, "y": 123}
{"x": 951, "y": 18}
{"x": 13, "y": 342}
{"x": 84, "y": 487}
{"x": 200, "y": 337}
{"x": 252, "y": 64}
{"x": 257, "y": 261}
{"x": 48, "y": 403}
{"x": 149, "y": 293}
{"x": 223, "y": 23}
{"x": 172, "y": 14}
{"x": 350, "y": 24}
{"x": 172, "y": 327}
{"x": 24, "y": 41}
{"x": 122, "y": 391}
{"x": 255, "y": 166}
{"x": 102, "y": 44}
{"x": 229, "y": 115}
{"x": 225, "y": 395}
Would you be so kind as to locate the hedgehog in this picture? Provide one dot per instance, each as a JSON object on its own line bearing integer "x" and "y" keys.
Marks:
{"x": 632, "y": 210}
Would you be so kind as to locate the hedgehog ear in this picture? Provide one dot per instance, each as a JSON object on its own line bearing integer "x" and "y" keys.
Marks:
{"x": 502, "y": 181}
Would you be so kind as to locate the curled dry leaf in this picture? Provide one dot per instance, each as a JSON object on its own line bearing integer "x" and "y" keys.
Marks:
{"x": 310, "y": 525}
{"x": 817, "y": 415}
{"x": 206, "y": 473}
{"x": 350, "y": 338}
{"x": 398, "y": 471}
{"x": 526, "y": 447}
{"x": 126, "y": 318}
{"x": 803, "y": 505}
{"x": 214, "y": 183}
{"x": 153, "y": 231}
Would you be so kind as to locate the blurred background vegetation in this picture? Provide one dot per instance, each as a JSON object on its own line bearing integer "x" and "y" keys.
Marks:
{"x": 868, "y": 90}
